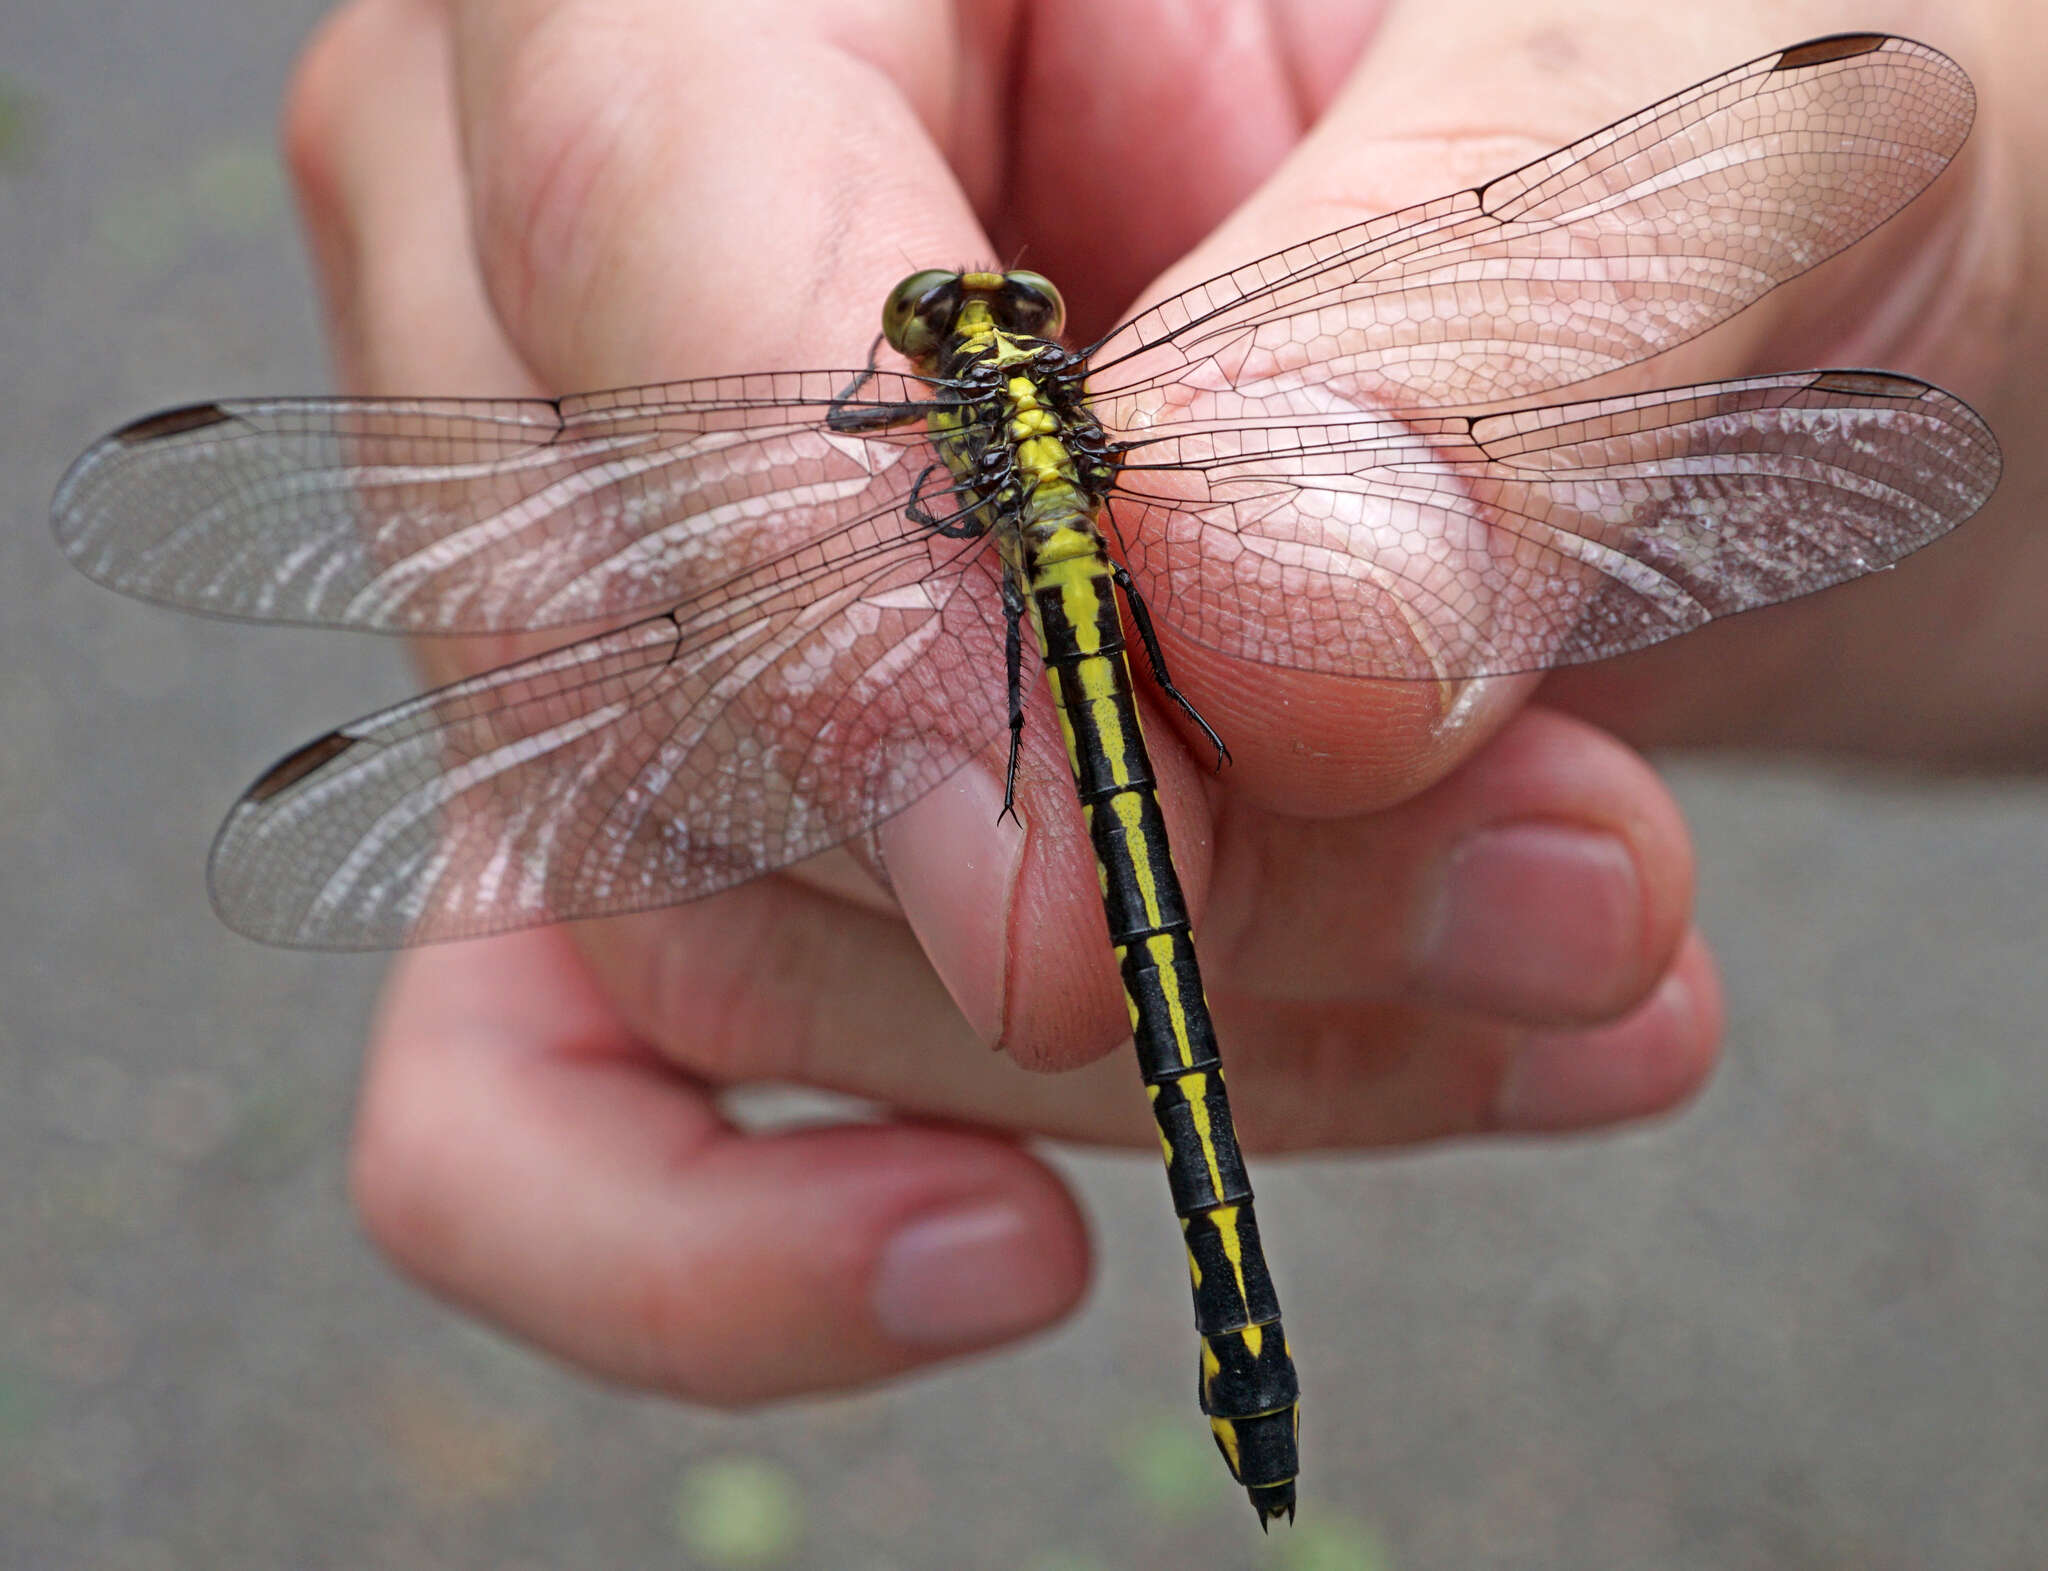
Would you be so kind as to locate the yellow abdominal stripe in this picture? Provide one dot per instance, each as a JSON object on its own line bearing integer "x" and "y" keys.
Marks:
{"x": 1130, "y": 813}
{"x": 1225, "y": 1220}
{"x": 1226, "y": 1437}
{"x": 1160, "y": 948}
{"x": 1130, "y": 998}
{"x": 1165, "y": 1145}
{"x": 1196, "y": 1088}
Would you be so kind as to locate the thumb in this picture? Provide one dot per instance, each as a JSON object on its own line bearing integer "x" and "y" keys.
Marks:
{"x": 1546, "y": 266}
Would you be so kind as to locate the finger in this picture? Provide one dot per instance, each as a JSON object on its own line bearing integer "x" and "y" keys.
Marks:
{"x": 1309, "y": 1075}
{"x": 378, "y": 145}
{"x": 1426, "y": 114}
{"x": 670, "y": 190}
{"x": 1548, "y": 881}
{"x": 524, "y": 1157}
{"x": 1910, "y": 294}
{"x": 372, "y": 129}
{"x": 1389, "y": 1074}
{"x": 1379, "y": 978}
{"x": 516, "y": 1150}
{"x": 370, "y": 138}
{"x": 559, "y": 140}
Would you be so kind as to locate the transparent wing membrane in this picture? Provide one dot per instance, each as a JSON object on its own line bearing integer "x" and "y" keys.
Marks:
{"x": 1317, "y": 473}
{"x": 1451, "y": 546}
{"x": 481, "y": 515}
{"x": 656, "y": 763}
{"x": 1625, "y": 243}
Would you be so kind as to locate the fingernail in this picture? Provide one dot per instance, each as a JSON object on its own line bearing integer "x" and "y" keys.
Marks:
{"x": 962, "y": 1278}
{"x": 953, "y": 859}
{"x": 1636, "y": 1067}
{"x": 1531, "y": 919}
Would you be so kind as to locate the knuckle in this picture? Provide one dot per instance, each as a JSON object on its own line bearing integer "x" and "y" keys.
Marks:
{"x": 556, "y": 169}
{"x": 393, "y": 1183}
{"x": 318, "y": 98}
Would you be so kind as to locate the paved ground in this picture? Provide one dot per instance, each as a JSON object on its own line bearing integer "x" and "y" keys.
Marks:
{"x": 1799, "y": 1328}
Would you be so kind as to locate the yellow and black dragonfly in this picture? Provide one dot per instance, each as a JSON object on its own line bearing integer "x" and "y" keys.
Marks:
{"x": 812, "y": 585}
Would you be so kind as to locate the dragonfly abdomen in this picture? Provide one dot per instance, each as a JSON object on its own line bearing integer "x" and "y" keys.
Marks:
{"x": 1248, "y": 1385}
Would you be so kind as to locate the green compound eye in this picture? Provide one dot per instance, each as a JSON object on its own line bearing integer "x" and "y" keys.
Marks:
{"x": 919, "y": 311}
{"x": 1030, "y": 304}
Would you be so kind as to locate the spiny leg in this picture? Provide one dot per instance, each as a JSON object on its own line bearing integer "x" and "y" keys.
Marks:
{"x": 1156, "y": 659}
{"x": 840, "y": 417}
{"x": 962, "y": 525}
{"x": 1013, "y": 662}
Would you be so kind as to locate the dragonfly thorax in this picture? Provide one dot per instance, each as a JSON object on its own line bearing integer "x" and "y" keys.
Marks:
{"x": 1029, "y": 461}
{"x": 1028, "y": 457}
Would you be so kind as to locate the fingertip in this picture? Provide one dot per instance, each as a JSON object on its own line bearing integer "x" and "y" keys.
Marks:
{"x": 1008, "y": 908}
{"x": 1566, "y": 898}
{"x": 1547, "y": 881}
{"x": 981, "y": 1270}
{"x": 1643, "y": 1066}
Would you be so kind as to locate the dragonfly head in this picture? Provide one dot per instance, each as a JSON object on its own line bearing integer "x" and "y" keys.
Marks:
{"x": 924, "y": 309}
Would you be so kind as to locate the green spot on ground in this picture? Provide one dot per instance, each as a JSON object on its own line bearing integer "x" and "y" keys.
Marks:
{"x": 1968, "y": 1100}
{"x": 21, "y": 124}
{"x": 1332, "y": 1542}
{"x": 21, "y": 1406}
{"x": 237, "y": 189}
{"x": 739, "y": 1512}
{"x": 1170, "y": 1465}
{"x": 277, "y": 1130}
{"x": 231, "y": 190}
{"x": 142, "y": 230}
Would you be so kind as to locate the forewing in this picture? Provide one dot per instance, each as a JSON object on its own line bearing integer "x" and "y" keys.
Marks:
{"x": 1450, "y": 547}
{"x": 481, "y": 516}
{"x": 641, "y": 767}
{"x": 1613, "y": 249}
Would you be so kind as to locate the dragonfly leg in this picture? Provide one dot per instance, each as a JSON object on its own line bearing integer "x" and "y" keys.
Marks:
{"x": 1013, "y": 662}
{"x": 840, "y": 416}
{"x": 1157, "y": 660}
{"x": 960, "y": 525}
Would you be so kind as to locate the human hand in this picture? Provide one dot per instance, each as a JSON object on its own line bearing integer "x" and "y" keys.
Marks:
{"x": 643, "y": 192}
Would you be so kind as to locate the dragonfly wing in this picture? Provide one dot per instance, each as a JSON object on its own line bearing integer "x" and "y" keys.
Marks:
{"x": 1448, "y": 547}
{"x": 1633, "y": 239}
{"x": 647, "y": 765}
{"x": 479, "y": 515}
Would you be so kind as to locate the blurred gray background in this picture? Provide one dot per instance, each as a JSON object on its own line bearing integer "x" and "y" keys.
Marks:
{"x": 1803, "y": 1326}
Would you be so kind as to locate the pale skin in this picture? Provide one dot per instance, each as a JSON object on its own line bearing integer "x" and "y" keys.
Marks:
{"x": 1418, "y": 922}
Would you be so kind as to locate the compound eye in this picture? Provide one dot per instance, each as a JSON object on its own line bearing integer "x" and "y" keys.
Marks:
{"x": 919, "y": 312}
{"x": 1032, "y": 305}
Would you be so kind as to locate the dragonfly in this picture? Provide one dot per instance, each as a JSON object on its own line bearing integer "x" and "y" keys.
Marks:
{"x": 792, "y": 603}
